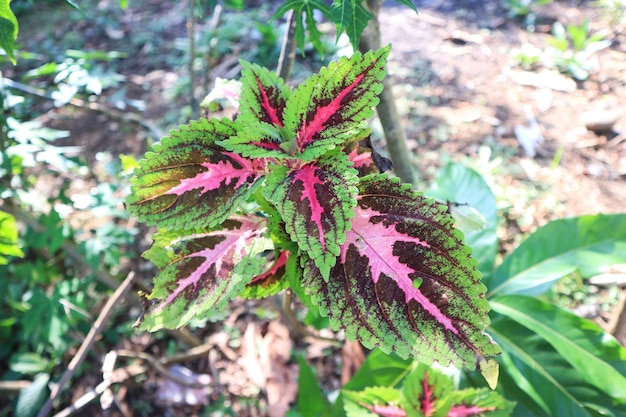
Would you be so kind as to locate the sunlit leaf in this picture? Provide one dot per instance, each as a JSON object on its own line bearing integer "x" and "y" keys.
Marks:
{"x": 598, "y": 357}
{"x": 188, "y": 181}
{"x": 315, "y": 201}
{"x": 8, "y": 29}
{"x": 351, "y": 17}
{"x": 404, "y": 281}
{"x": 202, "y": 271}
{"x": 333, "y": 106}
{"x": 587, "y": 244}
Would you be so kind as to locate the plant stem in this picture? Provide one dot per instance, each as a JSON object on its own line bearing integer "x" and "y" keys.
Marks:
{"x": 387, "y": 111}
{"x": 191, "y": 33}
{"x": 288, "y": 48}
{"x": 82, "y": 352}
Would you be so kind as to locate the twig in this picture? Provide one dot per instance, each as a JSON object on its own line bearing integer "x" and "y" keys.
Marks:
{"x": 118, "y": 376}
{"x": 159, "y": 366}
{"x": 133, "y": 370}
{"x": 619, "y": 325}
{"x": 93, "y": 106}
{"x": 14, "y": 385}
{"x": 191, "y": 34}
{"x": 95, "y": 330}
{"x": 386, "y": 108}
{"x": 288, "y": 48}
{"x": 295, "y": 323}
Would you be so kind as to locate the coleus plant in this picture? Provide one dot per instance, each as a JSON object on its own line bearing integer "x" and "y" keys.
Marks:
{"x": 425, "y": 392}
{"x": 286, "y": 195}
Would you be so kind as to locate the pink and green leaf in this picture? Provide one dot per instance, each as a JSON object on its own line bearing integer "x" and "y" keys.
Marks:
{"x": 334, "y": 105}
{"x": 263, "y": 96}
{"x": 270, "y": 281}
{"x": 203, "y": 270}
{"x": 261, "y": 140}
{"x": 189, "y": 181}
{"x": 404, "y": 280}
{"x": 316, "y": 202}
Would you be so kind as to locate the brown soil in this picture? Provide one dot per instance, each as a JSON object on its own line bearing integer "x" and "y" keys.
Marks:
{"x": 460, "y": 97}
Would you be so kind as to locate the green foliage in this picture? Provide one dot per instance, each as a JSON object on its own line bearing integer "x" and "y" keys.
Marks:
{"x": 425, "y": 391}
{"x": 311, "y": 401}
{"x": 380, "y": 260}
{"x": 349, "y": 16}
{"x": 553, "y": 362}
{"x": 8, "y": 238}
{"x": 8, "y": 29}
{"x": 524, "y": 8}
{"x": 573, "y": 46}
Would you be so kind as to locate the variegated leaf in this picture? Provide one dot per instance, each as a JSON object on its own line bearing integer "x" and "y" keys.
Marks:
{"x": 316, "y": 202}
{"x": 332, "y": 106}
{"x": 404, "y": 281}
{"x": 202, "y": 270}
{"x": 263, "y": 95}
{"x": 271, "y": 281}
{"x": 189, "y": 181}
{"x": 261, "y": 140}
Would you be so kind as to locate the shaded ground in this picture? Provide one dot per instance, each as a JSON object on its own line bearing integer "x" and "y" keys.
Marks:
{"x": 460, "y": 96}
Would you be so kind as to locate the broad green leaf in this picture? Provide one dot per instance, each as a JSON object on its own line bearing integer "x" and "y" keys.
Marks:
{"x": 31, "y": 398}
{"x": 587, "y": 244}
{"x": 8, "y": 238}
{"x": 597, "y": 356}
{"x": 316, "y": 202}
{"x": 408, "y": 3}
{"x": 305, "y": 9}
{"x": 351, "y": 17}
{"x": 202, "y": 270}
{"x": 333, "y": 106}
{"x": 380, "y": 369}
{"x": 459, "y": 184}
{"x": 404, "y": 281}
{"x": 8, "y": 29}
{"x": 28, "y": 363}
{"x": 541, "y": 380}
{"x": 189, "y": 181}
{"x": 311, "y": 400}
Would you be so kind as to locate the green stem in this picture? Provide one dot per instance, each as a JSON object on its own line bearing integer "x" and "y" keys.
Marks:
{"x": 387, "y": 110}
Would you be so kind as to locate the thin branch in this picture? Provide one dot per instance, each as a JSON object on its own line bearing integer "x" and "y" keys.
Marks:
{"x": 288, "y": 48}
{"x": 93, "y": 106}
{"x": 191, "y": 34}
{"x": 84, "y": 348}
{"x": 123, "y": 374}
{"x": 386, "y": 108}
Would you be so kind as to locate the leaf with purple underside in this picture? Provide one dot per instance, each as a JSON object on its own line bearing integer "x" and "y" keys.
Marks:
{"x": 203, "y": 270}
{"x": 316, "y": 203}
{"x": 188, "y": 181}
{"x": 404, "y": 280}
{"x": 334, "y": 105}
